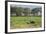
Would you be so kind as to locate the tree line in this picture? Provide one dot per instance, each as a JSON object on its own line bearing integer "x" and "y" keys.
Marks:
{"x": 20, "y": 11}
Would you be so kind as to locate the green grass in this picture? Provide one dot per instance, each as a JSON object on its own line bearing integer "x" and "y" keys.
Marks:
{"x": 21, "y": 22}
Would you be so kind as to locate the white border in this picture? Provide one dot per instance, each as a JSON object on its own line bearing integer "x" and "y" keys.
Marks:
{"x": 29, "y": 29}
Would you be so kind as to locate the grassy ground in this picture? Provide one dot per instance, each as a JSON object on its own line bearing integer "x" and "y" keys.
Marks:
{"x": 25, "y": 22}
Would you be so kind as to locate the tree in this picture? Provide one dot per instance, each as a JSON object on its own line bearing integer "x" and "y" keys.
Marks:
{"x": 26, "y": 11}
{"x": 16, "y": 10}
{"x": 36, "y": 10}
{"x": 19, "y": 11}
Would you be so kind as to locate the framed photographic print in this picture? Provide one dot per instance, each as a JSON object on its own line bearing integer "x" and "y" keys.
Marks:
{"x": 23, "y": 16}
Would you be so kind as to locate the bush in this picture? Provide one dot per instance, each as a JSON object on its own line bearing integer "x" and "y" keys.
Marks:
{"x": 32, "y": 22}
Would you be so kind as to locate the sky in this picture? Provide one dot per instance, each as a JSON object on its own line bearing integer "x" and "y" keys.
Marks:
{"x": 25, "y": 5}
